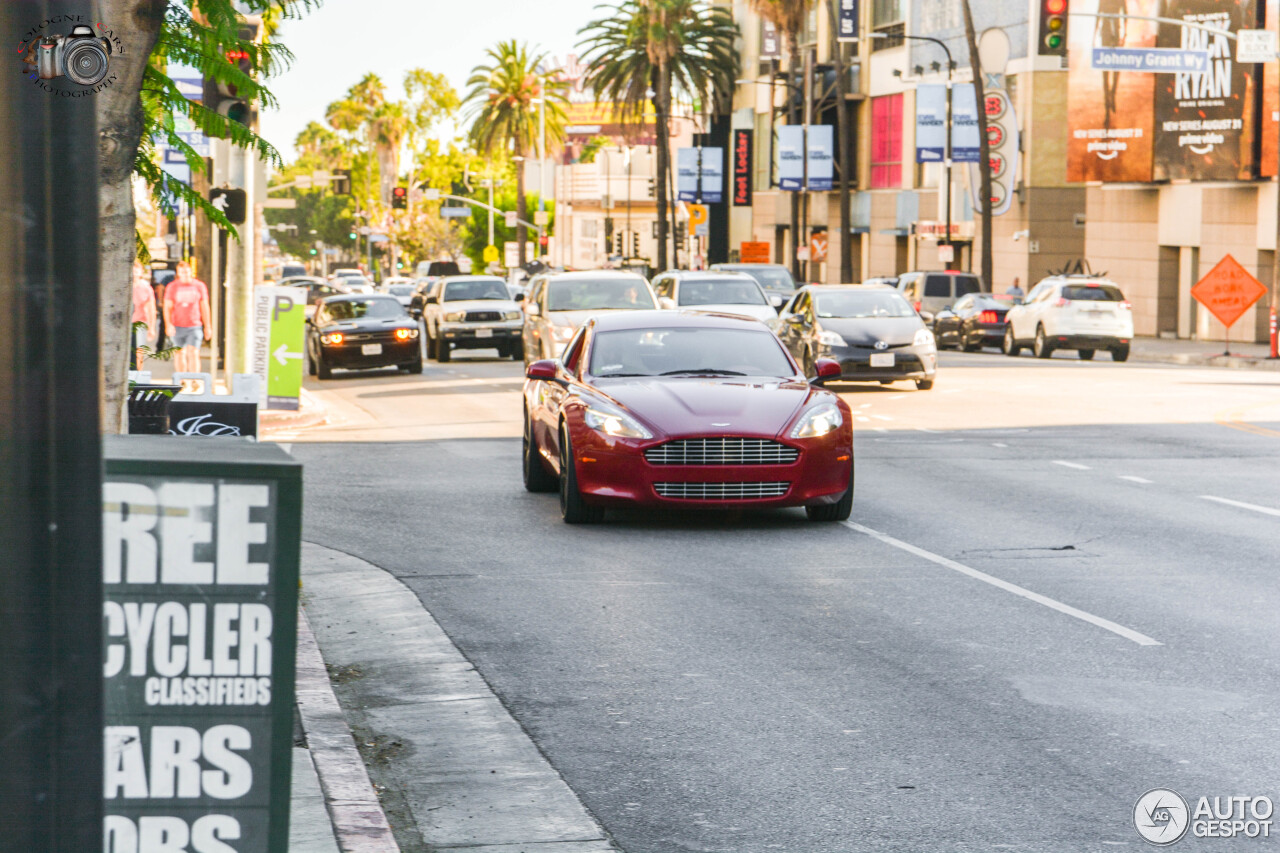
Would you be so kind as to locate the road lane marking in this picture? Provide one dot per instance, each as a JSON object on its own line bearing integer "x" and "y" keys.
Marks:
{"x": 1074, "y": 465}
{"x": 1135, "y": 479}
{"x": 881, "y": 429}
{"x": 882, "y": 417}
{"x": 865, "y": 406}
{"x": 1106, "y": 624}
{"x": 1234, "y": 418}
{"x": 1263, "y": 509}
{"x": 925, "y": 429}
{"x": 998, "y": 444}
{"x": 864, "y": 420}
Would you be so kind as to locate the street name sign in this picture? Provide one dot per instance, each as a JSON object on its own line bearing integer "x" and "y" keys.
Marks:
{"x": 1153, "y": 60}
{"x": 1228, "y": 291}
{"x": 455, "y": 212}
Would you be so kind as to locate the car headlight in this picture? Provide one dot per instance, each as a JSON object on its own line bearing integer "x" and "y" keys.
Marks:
{"x": 611, "y": 421}
{"x": 406, "y": 334}
{"x": 819, "y": 420}
{"x": 331, "y": 338}
{"x": 511, "y": 315}
{"x": 923, "y": 337}
{"x": 562, "y": 333}
{"x": 455, "y": 316}
{"x": 831, "y": 339}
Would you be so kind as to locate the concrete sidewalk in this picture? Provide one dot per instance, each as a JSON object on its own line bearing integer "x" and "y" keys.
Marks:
{"x": 1203, "y": 353}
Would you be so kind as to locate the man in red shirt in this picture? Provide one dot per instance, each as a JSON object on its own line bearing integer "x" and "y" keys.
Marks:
{"x": 144, "y": 310}
{"x": 186, "y": 315}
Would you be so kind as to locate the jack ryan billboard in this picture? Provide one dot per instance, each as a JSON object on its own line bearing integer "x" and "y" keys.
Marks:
{"x": 1139, "y": 126}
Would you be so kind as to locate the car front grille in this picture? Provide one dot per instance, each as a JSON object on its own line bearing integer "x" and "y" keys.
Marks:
{"x": 721, "y": 491}
{"x": 729, "y": 450}
{"x": 385, "y": 337}
{"x": 484, "y": 316}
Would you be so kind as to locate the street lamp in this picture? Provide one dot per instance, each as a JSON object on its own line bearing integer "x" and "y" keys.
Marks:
{"x": 951, "y": 67}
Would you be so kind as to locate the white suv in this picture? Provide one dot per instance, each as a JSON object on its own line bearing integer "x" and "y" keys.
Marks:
{"x": 1083, "y": 313}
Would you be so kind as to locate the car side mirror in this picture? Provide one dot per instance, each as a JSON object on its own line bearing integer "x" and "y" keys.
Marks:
{"x": 545, "y": 371}
{"x": 519, "y": 297}
{"x": 532, "y": 309}
{"x": 775, "y": 301}
{"x": 666, "y": 302}
{"x": 828, "y": 370}
{"x": 432, "y": 300}
{"x": 926, "y": 316}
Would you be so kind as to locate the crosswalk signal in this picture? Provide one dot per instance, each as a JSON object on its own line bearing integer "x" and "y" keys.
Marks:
{"x": 399, "y": 198}
{"x": 1053, "y": 27}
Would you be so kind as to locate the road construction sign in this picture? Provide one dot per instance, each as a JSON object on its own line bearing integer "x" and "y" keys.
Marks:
{"x": 1228, "y": 291}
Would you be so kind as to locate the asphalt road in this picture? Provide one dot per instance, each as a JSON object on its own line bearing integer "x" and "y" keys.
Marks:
{"x": 1059, "y": 591}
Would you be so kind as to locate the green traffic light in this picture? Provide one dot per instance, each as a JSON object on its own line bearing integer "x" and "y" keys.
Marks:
{"x": 313, "y": 251}
{"x": 399, "y": 265}
{"x": 1053, "y": 41}
{"x": 352, "y": 235}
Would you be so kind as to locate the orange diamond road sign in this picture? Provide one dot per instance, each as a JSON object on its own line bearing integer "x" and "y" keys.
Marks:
{"x": 818, "y": 246}
{"x": 1228, "y": 291}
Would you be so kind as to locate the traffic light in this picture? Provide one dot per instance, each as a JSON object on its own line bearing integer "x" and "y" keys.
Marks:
{"x": 543, "y": 241}
{"x": 399, "y": 198}
{"x": 399, "y": 265}
{"x": 1053, "y": 28}
{"x": 652, "y": 189}
{"x": 353, "y": 235}
{"x": 226, "y": 98}
{"x": 231, "y": 202}
{"x": 342, "y": 181}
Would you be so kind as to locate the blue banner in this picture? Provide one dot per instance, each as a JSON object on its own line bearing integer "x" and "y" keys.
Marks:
{"x": 712, "y": 181}
{"x": 687, "y": 174}
{"x": 964, "y": 124}
{"x": 931, "y": 123}
{"x": 847, "y": 21}
{"x": 821, "y": 156}
{"x": 791, "y": 157}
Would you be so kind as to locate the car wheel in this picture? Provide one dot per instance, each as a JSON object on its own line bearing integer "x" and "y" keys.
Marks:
{"x": 1120, "y": 353}
{"x": 323, "y": 370}
{"x": 1009, "y": 346}
{"x": 838, "y": 511}
{"x": 968, "y": 346}
{"x": 886, "y": 381}
{"x": 517, "y": 351}
{"x": 311, "y": 362}
{"x": 924, "y": 384}
{"x": 1085, "y": 354}
{"x": 442, "y": 351}
{"x": 536, "y": 476}
{"x": 414, "y": 366}
{"x": 572, "y": 507}
{"x": 1041, "y": 348}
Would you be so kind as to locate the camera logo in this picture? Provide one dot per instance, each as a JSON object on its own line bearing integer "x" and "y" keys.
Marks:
{"x": 1161, "y": 816}
{"x": 82, "y": 55}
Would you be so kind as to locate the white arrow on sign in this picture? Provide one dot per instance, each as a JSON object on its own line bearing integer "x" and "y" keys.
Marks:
{"x": 282, "y": 353}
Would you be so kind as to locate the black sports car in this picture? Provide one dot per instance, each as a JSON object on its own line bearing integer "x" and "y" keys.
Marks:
{"x": 359, "y": 331}
{"x": 973, "y": 322}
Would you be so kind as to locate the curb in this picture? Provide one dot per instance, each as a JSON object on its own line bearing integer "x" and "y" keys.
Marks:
{"x": 359, "y": 824}
{"x": 311, "y": 412}
{"x": 1229, "y": 361}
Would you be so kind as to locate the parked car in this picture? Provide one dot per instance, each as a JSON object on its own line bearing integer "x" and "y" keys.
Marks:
{"x": 357, "y": 332}
{"x": 930, "y": 292}
{"x": 973, "y": 322}
{"x": 559, "y": 302}
{"x": 354, "y": 281}
{"x": 292, "y": 271}
{"x": 471, "y": 312}
{"x": 717, "y": 292}
{"x": 873, "y": 333}
{"x": 885, "y": 280}
{"x": 393, "y": 279}
{"x": 774, "y": 278}
{"x": 682, "y": 409}
{"x": 1080, "y": 312}
{"x": 402, "y": 291}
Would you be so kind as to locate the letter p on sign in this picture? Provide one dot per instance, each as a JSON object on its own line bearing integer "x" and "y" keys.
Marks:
{"x": 281, "y": 305}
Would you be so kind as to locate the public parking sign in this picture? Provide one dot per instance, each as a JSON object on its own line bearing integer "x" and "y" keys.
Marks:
{"x": 278, "y": 328}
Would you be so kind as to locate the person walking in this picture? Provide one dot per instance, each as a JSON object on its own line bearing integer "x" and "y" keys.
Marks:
{"x": 186, "y": 314}
{"x": 1014, "y": 290}
{"x": 144, "y": 311}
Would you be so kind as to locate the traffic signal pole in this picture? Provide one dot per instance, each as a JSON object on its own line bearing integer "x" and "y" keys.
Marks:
{"x": 51, "y": 710}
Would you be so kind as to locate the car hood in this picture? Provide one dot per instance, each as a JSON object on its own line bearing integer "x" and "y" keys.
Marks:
{"x": 577, "y": 318}
{"x": 478, "y": 305}
{"x": 755, "y": 312}
{"x": 731, "y": 405}
{"x": 376, "y": 325}
{"x": 895, "y": 331}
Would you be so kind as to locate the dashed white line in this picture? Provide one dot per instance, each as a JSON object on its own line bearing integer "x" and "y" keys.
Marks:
{"x": 864, "y": 420}
{"x": 1133, "y": 479}
{"x": 998, "y": 444}
{"x": 925, "y": 429}
{"x": 882, "y": 417}
{"x": 1074, "y": 465}
{"x": 1266, "y": 510}
{"x": 1106, "y": 624}
{"x": 865, "y": 406}
{"x": 881, "y": 429}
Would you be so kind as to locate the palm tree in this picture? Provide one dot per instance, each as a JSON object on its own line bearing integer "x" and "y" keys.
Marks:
{"x": 662, "y": 51}
{"x": 354, "y": 115}
{"x": 788, "y": 17}
{"x": 500, "y": 106}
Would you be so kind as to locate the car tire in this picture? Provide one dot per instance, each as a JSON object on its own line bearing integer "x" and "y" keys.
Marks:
{"x": 311, "y": 363}
{"x": 1010, "y": 346}
{"x": 535, "y": 474}
{"x": 886, "y": 381}
{"x": 442, "y": 351}
{"x": 924, "y": 384}
{"x": 414, "y": 366}
{"x": 838, "y": 511}
{"x": 1041, "y": 348}
{"x": 1085, "y": 354}
{"x": 1120, "y": 353}
{"x": 572, "y": 508}
{"x": 968, "y": 346}
{"x": 323, "y": 370}
{"x": 517, "y": 351}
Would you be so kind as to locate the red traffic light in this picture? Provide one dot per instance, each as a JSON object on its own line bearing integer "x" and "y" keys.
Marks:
{"x": 399, "y": 192}
{"x": 1055, "y": 7}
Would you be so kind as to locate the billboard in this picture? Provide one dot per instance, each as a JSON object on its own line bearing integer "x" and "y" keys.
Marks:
{"x": 1205, "y": 120}
{"x": 1110, "y": 114}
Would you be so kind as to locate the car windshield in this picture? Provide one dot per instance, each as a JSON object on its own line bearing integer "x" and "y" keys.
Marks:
{"x": 484, "y": 288}
{"x": 685, "y": 350}
{"x": 400, "y": 290}
{"x": 1093, "y": 292}
{"x": 878, "y": 303}
{"x": 598, "y": 294}
{"x": 774, "y": 279}
{"x": 364, "y": 309}
{"x": 726, "y": 291}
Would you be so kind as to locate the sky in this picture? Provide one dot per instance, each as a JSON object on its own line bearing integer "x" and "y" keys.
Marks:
{"x": 337, "y": 44}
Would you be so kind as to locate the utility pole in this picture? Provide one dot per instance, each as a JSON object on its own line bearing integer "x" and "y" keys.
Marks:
{"x": 51, "y": 779}
{"x": 808, "y": 120}
{"x": 842, "y": 131}
{"x": 984, "y": 149}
